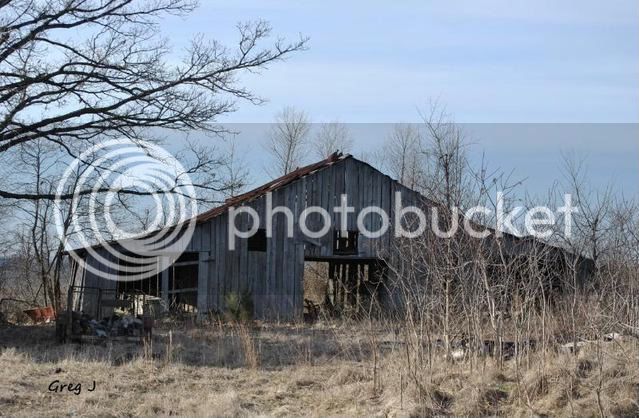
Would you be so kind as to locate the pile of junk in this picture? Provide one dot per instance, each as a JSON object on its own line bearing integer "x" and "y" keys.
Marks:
{"x": 83, "y": 327}
{"x": 121, "y": 317}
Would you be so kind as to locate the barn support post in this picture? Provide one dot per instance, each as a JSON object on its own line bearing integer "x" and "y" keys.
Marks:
{"x": 165, "y": 285}
{"x": 202, "y": 285}
{"x": 332, "y": 286}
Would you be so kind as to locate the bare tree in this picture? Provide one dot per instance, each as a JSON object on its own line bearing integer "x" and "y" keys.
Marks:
{"x": 332, "y": 137}
{"x": 73, "y": 71}
{"x": 288, "y": 140}
{"x": 447, "y": 174}
{"x": 235, "y": 169}
{"x": 593, "y": 221}
{"x": 401, "y": 155}
{"x": 35, "y": 234}
{"x": 40, "y": 244}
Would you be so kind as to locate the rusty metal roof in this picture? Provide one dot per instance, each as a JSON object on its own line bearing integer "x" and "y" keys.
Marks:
{"x": 271, "y": 186}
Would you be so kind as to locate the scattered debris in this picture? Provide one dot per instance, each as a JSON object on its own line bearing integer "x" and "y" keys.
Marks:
{"x": 311, "y": 311}
{"x": 41, "y": 314}
{"x": 109, "y": 327}
{"x": 460, "y": 349}
{"x": 572, "y": 347}
{"x": 613, "y": 336}
{"x": 458, "y": 354}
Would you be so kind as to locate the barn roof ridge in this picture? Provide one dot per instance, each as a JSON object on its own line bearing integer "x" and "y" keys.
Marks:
{"x": 272, "y": 185}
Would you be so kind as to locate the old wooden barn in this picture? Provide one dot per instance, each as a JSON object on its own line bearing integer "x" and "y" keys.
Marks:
{"x": 271, "y": 270}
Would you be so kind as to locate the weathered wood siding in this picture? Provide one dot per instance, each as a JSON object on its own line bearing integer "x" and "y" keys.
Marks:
{"x": 275, "y": 278}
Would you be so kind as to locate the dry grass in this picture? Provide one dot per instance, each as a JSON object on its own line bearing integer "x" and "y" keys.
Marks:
{"x": 290, "y": 370}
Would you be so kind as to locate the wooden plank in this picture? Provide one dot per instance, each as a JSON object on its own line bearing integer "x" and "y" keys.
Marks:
{"x": 385, "y": 204}
{"x": 107, "y": 283}
{"x": 297, "y": 275}
{"x": 317, "y": 219}
{"x": 270, "y": 285}
{"x": 279, "y": 257}
{"x": 194, "y": 242}
{"x": 339, "y": 188}
{"x": 165, "y": 282}
{"x": 303, "y": 202}
{"x": 213, "y": 267}
{"x": 242, "y": 249}
{"x": 328, "y": 202}
{"x": 234, "y": 258}
{"x": 222, "y": 259}
{"x": 366, "y": 186}
{"x": 202, "y": 283}
{"x": 377, "y": 202}
{"x": 288, "y": 275}
{"x": 354, "y": 192}
{"x": 298, "y": 289}
{"x": 317, "y": 191}
{"x": 259, "y": 283}
{"x": 205, "y": 236}
{"x": 266, "y": 285}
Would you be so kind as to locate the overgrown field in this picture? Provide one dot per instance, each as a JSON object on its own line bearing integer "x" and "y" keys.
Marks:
{"x": 325, "y": 369}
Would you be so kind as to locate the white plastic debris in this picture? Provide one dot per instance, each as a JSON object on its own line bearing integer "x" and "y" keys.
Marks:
{"x": 572, "y": 347}
{"x": 613, "y": 336}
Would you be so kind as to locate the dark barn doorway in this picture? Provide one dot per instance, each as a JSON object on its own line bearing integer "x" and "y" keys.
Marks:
{"x": 341, "y": 286}
{"x": 183, "y": 282}
{"x": 182, "y": 289}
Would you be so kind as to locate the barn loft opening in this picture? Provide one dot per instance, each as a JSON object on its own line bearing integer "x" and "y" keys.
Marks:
{"x": 257, "y": 242}
{"x": 345, "y": 242}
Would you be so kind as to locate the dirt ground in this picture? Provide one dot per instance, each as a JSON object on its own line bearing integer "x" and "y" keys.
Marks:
{"x": 295, "y": 370}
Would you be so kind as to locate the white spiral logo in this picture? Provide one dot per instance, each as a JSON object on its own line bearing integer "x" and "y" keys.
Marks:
{"x": 97, "y": 180}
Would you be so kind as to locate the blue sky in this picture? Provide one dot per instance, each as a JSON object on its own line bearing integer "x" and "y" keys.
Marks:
{"x": 490, "y": 62}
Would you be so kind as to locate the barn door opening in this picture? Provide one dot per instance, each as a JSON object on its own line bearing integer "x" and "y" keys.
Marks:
{"x": 183, "y": 282}
{"x": 130, "y": 296}
{"x": 337, "y": 287}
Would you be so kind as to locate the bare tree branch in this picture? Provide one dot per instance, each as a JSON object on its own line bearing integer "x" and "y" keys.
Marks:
{"x": 118, "y": 79}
